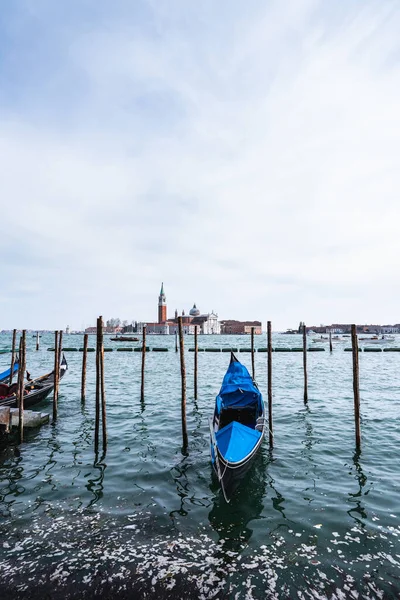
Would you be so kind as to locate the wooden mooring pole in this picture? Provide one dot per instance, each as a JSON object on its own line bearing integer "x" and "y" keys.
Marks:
{"x": 143, "y": 363}
{"x": 60, "y": 342}
{"x": 269, "y": 347}
{"x": 183, "y": 380}
{"x": 176, "y": 341}
{"x": 84, "y": 363}
{"x": 14, "y": 339}
{"x": 21, "y": 386}
{"x": 330, "y": 340}
{"x": 102, "y": 387}
{"x": 55, "y": 390}
{"x": 37, "y": 340}
{"x": 97, "y": 406}
{"x": 196, "y": 351}
{"x": 305, "y": 363}
{"x": 356, "y": 385}
{"x": 253, "y": 370}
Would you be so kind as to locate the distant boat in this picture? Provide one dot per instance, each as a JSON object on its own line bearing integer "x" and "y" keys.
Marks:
{"x": 320, "y": 339}
{"x": 122, "y": 338}
{"x": 237, "y": 427}
{"x": 378, "y": 340}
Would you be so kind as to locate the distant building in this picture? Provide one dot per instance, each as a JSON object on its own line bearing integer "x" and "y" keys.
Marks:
{"x": 153, "y": 328}
{"x": 207, "y": 323}
{"x": 105, "y": 329}
{"x": 162, "y": 306}
{"x": 240, "y": 327}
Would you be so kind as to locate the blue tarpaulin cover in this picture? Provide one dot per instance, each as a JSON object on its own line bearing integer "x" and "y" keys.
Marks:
{"x": 235, "y": 441}
{"x": 7, "y": 373}
{"x": 238, "y": 389}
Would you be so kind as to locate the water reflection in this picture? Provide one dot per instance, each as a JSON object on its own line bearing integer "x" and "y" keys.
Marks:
{"x": 179, "y": 474}
{"x": 11, "y": 472}
{"x": 231, "y": 521}
{"x": 358, "y": 512}
{"x": 310, "y": 440}
{"x": 95, "y": 484}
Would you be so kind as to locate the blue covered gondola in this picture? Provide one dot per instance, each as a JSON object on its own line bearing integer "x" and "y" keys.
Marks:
{"x": 237, "y": 427}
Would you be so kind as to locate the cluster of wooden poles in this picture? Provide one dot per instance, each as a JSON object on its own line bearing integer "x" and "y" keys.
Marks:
{"x": 21, "y": 374}
{"x": 100, "y": 387}
{"x": 356, "y": 388}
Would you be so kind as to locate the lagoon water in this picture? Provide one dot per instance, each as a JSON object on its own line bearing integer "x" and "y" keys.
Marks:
{"x": 313, "y": 518}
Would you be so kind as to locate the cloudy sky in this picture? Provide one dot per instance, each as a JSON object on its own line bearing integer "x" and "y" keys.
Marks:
{"x": 245, "y": 153}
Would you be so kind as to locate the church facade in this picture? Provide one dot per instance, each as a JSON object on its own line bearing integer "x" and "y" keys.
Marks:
{"x": 206, "y": 323}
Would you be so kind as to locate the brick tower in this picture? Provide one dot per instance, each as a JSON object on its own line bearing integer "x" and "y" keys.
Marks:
{"x": 162, "y": 306}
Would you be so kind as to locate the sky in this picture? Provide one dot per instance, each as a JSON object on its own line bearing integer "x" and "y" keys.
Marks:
{"x": 247, "y": 154}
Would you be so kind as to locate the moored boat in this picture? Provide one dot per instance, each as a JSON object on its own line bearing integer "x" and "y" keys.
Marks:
{"x": 36, "y": 390}
{"x": 236, "y": 428}
{"x": 5, "y": 375}
{"x": 122, "y": 338}
{"x": 378, "y": 340}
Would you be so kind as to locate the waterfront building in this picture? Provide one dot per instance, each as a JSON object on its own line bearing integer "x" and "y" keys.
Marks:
{"x": 162, "y": 306}
{"x": 154, "y": 328}
{"x": 240, "y": 327}
{"x": 106, "y": 329}
{"x": 207, "y": 323}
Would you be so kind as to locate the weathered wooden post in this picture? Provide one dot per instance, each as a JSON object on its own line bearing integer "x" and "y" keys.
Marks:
{"x": 305, "y": 363}
{"x": 253, "y": 373}
{"x": 143, "y": 363}
{"x": 97, "y": 412}
{"x": 57, "y": 370}
{"x": 55, "y": 391}
{"x": 37, "y": 340}
{"x": 196, "y": 351}
{"x": 176, "y": 341}
{"x": 60, "y": 341}
{"x": 183, "y": 380}
{"x": 14, "y": 339}
{"x": 21, "y": 377}
{"x": 102, "y": 388}
{"x": 330, "y": 340}
{"x": 84, "y": 362}
{"x": 356, "y": 385}
{"x": 269, "y": 344}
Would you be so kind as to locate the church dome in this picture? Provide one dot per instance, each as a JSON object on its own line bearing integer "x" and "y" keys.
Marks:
{"x": 194, "y": 312}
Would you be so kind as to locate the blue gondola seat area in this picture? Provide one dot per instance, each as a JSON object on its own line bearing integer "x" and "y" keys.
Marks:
{"x": 235, "y": 441}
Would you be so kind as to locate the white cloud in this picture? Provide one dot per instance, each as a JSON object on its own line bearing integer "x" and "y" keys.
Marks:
{"x": 251, "y": 163}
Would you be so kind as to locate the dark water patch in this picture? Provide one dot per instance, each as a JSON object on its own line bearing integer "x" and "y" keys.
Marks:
{"x": 80, "y": 554}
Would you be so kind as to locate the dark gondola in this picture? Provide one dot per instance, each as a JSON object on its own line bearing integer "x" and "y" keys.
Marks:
{"x": 237, "y": 427}
{"x": 123, "y": 338}
{"x": 36, "y": 390}
{"x": 5, "y": 375}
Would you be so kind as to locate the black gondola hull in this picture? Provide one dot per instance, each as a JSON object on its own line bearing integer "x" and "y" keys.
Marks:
{"x": 44, "y": 386}
{"x": 233, "y": 473}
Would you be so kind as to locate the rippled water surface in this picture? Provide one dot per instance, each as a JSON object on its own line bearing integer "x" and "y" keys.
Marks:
{"x": 313, "y": 518}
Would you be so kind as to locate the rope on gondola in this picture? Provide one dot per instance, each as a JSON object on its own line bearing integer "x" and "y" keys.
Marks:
{"x": 214, "y": 443}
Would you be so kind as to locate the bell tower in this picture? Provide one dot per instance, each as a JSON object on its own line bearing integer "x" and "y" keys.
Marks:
{"x": 162, "y": 306}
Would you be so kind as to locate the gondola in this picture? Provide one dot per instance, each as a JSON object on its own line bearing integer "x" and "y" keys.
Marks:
{"x": 236, "y": 428}
{"x": 36, "y": 390}
{"x": 122, "y": 338}
{"x": 5, "y": 375}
